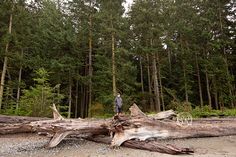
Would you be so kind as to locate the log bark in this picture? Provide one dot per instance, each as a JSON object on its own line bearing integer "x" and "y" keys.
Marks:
{"x": 145, "y": 128}
{"x": 154, "y": 146}
{"x": 19, "y": 119}
{"x": 17, "y": 124}
{"x": 169, "y": 114}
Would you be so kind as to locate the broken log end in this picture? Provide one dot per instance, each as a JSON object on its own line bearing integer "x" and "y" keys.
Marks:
{"x": 56, "y": 114}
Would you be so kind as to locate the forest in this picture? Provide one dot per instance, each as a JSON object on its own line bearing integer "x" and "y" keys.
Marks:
{"x": 78, "y": 54}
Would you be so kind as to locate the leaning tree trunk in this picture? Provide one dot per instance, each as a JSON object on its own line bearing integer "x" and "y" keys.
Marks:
{"x": 19, "y": 84}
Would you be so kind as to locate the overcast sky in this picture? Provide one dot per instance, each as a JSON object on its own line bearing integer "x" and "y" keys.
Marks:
{"x": 127, "y": 4}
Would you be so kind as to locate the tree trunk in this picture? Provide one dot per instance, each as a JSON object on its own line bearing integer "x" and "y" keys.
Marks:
{"x": 5, "y": 62}
{"x": 208, "y": 89}
{"x": 76, "y": 98}
{"x": 169, "y": 59}
{"x": 141, "y": 73}
{"x": 8, "y": 93}
{"x": 185, "y": 82}
{"x": 149, "y": 84}
{"x": 18, "y": 89}
{"x": 228, "y": 81}
{"x": 199, "y": 80}
{"x": 19, "y": 82}
{"x": 90, "y": 64}
{"x": 82, "y": 101}
{"x": 226, "y": 62}
{"x": 156, "y": 85}
{"x": 161, "y": 89}
{"x": 113, "y": 61}
{"x": 184, "y": 68}
{"x": 215, "y": 93}
{"x": 221, "y": 101}
{"x": 143, "y": 102}
{"x": 70, "y": 96}
{"x": 42, "y": 104}
{"x": 86, "y": 101}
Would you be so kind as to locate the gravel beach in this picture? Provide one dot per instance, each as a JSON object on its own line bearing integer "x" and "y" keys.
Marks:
{"x": 32, "y": 145}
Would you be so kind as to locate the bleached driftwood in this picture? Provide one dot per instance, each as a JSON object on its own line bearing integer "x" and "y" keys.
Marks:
{"x": 169, "y": 114}
{"x": 126, "y": 128}
{"x": 144, "y": 127}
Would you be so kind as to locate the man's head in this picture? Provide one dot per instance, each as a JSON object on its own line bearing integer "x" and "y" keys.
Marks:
{"x": 118, "y": 94}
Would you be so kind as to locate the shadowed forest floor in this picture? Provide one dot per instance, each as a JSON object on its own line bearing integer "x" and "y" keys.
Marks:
{"x": 22, "y": 145}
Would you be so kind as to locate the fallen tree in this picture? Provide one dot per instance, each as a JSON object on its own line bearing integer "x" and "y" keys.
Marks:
{"x": 17, "y": 124}
{"x": 151, "y": 145}
{"x": 123, "y": 129}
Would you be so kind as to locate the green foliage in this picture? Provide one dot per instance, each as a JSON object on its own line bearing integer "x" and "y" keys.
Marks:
{"x": 63, "y": 109}
{"x": 206, "y": 111}
{"x": 180, "y": 106}
{"x": 230, "y": 112}
{"x": 97, "y": 110}
{"x": 36, "y": 100}
{"x": 10, "y": 110}
{"x": 199, "y": 41}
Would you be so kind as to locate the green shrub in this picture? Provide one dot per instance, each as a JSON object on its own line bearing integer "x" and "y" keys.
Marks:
{"x": 230, "y": 112}
{"x": 206, "y": 111}
{"x": 180, "y": 106}
{"x": 97, "y": 109}
{"x": 36, "y": 100}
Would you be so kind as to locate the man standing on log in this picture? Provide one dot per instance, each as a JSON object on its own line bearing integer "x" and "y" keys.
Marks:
{"x": 118, "y": 104}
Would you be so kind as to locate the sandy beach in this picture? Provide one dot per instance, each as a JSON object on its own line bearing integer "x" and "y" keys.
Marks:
{"x": 32, "y": 145}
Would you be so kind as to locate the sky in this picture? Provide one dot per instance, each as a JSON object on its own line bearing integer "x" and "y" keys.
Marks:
{"x": 127, "y": 4}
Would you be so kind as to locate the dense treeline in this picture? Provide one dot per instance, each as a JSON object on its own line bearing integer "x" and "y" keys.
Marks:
{"x": 80, "y": 53}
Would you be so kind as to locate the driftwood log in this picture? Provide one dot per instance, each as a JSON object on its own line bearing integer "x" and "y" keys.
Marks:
{"x": 17, "y": 124}
{"x": 152, "y": 145}
{"x": 123, "y": 129}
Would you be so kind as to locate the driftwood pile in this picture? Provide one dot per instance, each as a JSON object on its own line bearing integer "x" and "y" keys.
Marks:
{"x": 135, "y": 131}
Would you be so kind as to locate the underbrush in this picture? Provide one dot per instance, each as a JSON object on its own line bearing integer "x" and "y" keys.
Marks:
{"x": 207, "y": 112}
{"x": 203, "y": 112}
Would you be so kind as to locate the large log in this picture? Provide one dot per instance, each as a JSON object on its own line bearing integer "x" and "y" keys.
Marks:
{"x": 154, "y": 146}
{"x": 19, "y": 119}
{"x": 17, "y": 124}
{"x": 125, "y": 128}
{"x": 137, "y": 126}
{"x": 143, "y": 128}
